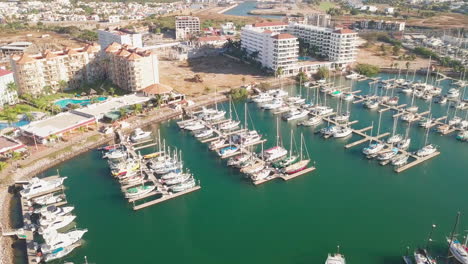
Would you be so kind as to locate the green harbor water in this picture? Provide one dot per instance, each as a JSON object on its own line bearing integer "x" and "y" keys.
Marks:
{"x": 369, "y": 210}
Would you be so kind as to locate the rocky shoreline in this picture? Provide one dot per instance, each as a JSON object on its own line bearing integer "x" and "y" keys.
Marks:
{"x": 78, "y": 146}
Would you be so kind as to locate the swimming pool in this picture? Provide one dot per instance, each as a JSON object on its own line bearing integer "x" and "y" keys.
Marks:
{"x": 305, "y": 58}
{"x": 64, "y": 102}
{"x": 22, "y": 122}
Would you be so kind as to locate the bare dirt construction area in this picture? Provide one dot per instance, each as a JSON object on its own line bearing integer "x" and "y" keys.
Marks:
{"x": 449, "y": 20}
{"x": 375, "y": 56}
{"x": 40, "y": 40}
{"x": 215, "y": 72}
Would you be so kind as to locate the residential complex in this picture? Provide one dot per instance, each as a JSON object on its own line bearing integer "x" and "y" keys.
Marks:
{"x": 51, "y": 69}
{"x": 380, "y": 25}
{"x": 124, "y": 37}
{"x": 275, "y": 44}
{"x": 7, "y": 95}
{"x": 131, "y": 68}
{"x": 186, "y": 26}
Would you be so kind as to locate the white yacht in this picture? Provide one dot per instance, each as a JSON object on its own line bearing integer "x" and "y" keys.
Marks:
{"x": 400, "y": 159}
{"x": 342, "y": 132}
{"x": 322, "y": 110}
{"x": 139, "y": 191}
{"x": 53, "y": 211}
{"x": 353, "y": 76}
{"x": 48, "y": 199}
{"x": 183, "y": 186}
{"x": 344, "y": 117}
{"x": 412, "y": 109}
{"x": 214, "y": 116}
{"x": 251, "y": 137}
{"x": 426, "y": 122}
{"x": 394, "y": 139}
{"x": 348, "y": 97}
{"x": 262, "y": 98}
{"x": 59, "y": 253}
{"x": 453, "y": 93}
{"x": 55, "y": 240}
{"x": 278, "y": 93}
{"x": 179, "y": 179}
{"x": 426, "y": 150}
{"x": 229, "y": 125}
{"x": 37, "y": 186}
{"x": 388, "y": 154}
{"x": 115, "y": 154}
{"x": 295, "y": 114}
{"x": 139, "y": 134}
{"x": 408, "y": 117}
{"x": 263, "y": 174}
{"x": 404, "y": 143}
{"x": 454, "y": 121}
{"x": 204, "y": 133}
{"x": 459, "y": 251}
{"x": 371, "y": 104}
{"x": 238, "y": 159}
{"x": 276, "y": 103}
{"x": 218, "y": 143}
{"x": 195, "y": 126}
{"x": 57, "y": 223}
{"x": 274, "y": 153}
{"x": 373, "y": 148}
{"x": 312, "y": 121}
{"x": 171, "y": 175}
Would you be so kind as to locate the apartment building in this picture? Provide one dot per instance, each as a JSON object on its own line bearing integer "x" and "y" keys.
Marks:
{"x": 339, "y": 46}
{"x": 272, "y": 48}
{"x": 50, "y": 69}
{"x": 186, "y": 26}
{"x": 123, "y": 37}
{"x": 131, "y": 68}
{"x": 381, "y": 25}
{"x": 318, "y": 19}
{"x": 7, "y": 96}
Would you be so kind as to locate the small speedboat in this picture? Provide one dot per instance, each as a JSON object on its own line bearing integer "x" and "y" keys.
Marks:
{"x": 336, "y": 93}
{"x": 426, "y": 150}
{"x": 139, "y": 135}
{"x": 440, "y": 100}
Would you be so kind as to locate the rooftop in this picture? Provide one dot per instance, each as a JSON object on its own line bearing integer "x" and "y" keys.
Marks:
{"x": 55, "y": 124}
{"x": 99, "y": 109}
{"x": 4, "y": 72}
{"x": 269, "y": 24}
{"x": 284, "y": 36}
{"x": 157, "y": 88}
{"x": 9, "y": 144}
{"x": 344, "y": 31}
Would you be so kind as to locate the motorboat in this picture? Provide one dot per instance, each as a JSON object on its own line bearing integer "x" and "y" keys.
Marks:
{"x": 426, "y": 150}
{"x": 459, "y": 251}
{"x": 388, "y": 154}
{"x": 422, "y": 257}
{"x": 322, "y": 110}
{"x": 394, "y": 139}
{"x": 312, "y": 121}
{"x": 49, "y": 199}
{"x": 204, "y": 133}
{"x": 400, "y": 159}
{"x": 263, "y": 174}
{"x": 453, "y": 93}
{"x": 115, "y": 154}
{"x": 463, "y": 124}
{"x": 253, "y": 167}
{"x": 135, "y": 178}
{"x": 37, "y": 186}
{"x": 139, "y": 191}
{"x": 295, "y": 114}
{"x": 278, "y": 93}
{"x": 251, "y": 137}
{"x": 297, "y": 100}
{"x": 168, "y": 168}
{"x": 440, "y": 100}
{"x": 55, "y": 240}
{"x": 262, "y": 98}
{"x": 195, "y": 126}
{"x": 139, "y": 135}
{"x": 190, "y": 183}
{"x": 462, "y": 136}
{"x": 296, "y": 167}
{"x": 403, "y": 144}
{"x": 344, "y": 117}
{"x": 342, "y": 132}
{"x": 335, "y": 259}
{"x": 217, "y": 143}
{"x": 426, "y": 122}
{"x": 53, "y": 211}
{"x": 329, "y": 130}
{"x": 227, "y": 151}
{"x": 373, "y": 148}
{"x": 214, "y": 116}
{"x": 56, "y": 223}
{"x": 407, "y": 90}
{"x": 171, "y": 175}
{"x": 408, "y": 117}
{"x": 371, "y": 104}
{"x": 393, "y": 100}
{"x": 274, "y": 153}
{"x": 229, "y": 125}
{"x": 59, "y": 253}
{"x": 336, "y": 93}
{"x": 353, "y": 76}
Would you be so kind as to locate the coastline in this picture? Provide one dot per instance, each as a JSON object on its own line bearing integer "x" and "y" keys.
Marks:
{"x": 77, "y": 146}
{"x": 227, "y": 9}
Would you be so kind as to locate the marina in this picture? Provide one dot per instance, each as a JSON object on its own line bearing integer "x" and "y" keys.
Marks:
{"x": 345, "y": 184}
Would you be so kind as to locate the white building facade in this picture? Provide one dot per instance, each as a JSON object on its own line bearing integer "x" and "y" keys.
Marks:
{"x": 7, "y": 97}
{"x": 186, "y": 26}
{"x": 107, "y": 37}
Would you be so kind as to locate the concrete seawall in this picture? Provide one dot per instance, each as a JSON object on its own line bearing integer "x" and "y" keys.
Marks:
{"x": 227, "y": 9}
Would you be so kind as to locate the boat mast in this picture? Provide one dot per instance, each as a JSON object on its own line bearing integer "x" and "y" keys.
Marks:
{"x": 245, "y": 117}
{"x": 277, "y": 132}
{"x": 302, "y": 137}
{"x": 290, "y": 144}
{"x": 378, "y": 126}
{"x": 394, "y": 124}
{"x": 429, "y": 238}
{"x": 453, "y": 233}
{"x": 427, "y": 134}
{"x": 372, "y": 128}
{"x": 428, "y": 68}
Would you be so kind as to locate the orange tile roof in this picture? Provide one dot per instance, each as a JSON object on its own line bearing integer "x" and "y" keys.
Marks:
{"x": 269, "y": 24}
{"x": 24, "y": 59}
{"x": 49, "y": 55}
{"x": 157, "y": 88}
{"x": 123, "y": 53}
{"x": 133, "y": 57}
{"x": 284, "y": 36}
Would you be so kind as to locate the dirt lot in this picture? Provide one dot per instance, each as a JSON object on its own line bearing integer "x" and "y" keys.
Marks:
{"x": 53, "y": 42}
{"x": 216, "y": 72}
{"x": 373, "y": 55}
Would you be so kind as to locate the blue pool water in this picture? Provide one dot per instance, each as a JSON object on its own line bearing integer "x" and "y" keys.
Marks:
{"x": 304, "y": 58}
{"x": 64, "y": 102}
{"x": 17, "y": 124}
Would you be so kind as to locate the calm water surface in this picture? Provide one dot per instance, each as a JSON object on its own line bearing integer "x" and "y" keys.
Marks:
{"x": 370, "y": 211}
{"x": 244, "y": 8}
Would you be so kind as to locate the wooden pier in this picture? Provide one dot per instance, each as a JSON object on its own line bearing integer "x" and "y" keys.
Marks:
{"x": 415, "y": 162}
{"x": 165, "y": 197}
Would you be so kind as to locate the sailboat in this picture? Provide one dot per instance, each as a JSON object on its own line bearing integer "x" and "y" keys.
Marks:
{"x": 395, "y": 138}
{"x": 277, "y": 151}
{"x": 300, "y": 165}
{"x": 288, "y": 160}
{"x": 336, "y": 258}
{"x": 231, "y": 123}
{"x": 428, "y": 149}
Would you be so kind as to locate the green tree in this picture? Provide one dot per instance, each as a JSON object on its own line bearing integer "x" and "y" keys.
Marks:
{"x": 367, "y": 69}
{"x": 396, "y": 50}
{"x": 12, "y": 87}
{"x": 137, "y": 108}
{"x": 3, "y": 165}
{"x": 322, "y": 73}
{"x": 301, "y": 77}
{"x": 239, "y": 93}
{"x": 279, "y": 72}
{"x": 10, "y": 117}
{"x": 122, "y": 112}
{"x": 112, "y": 91}
{"x": 62, "y": 85}
{"x": 407, "y": 65}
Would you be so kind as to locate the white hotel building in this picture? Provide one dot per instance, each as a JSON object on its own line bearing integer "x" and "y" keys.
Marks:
{"x": 278, "y": 46}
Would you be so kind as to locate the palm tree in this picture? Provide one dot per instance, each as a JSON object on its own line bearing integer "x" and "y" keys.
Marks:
{"x": 62, "y": 85}
{"x": 279, "y": 71}
{"x": 29, "y": 116}
{"x": 10, "y": 117}
{"x": 243, "y": 79}
{"x": 407, "y": 65}
{"x": 12, "y": 87}
{"x": 137, "y": 108}
{"x": 122, "y": 112}
{"x": 112, "y": 91}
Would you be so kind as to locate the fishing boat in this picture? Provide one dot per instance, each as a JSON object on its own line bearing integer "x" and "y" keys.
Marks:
{"x": 37, "y": 186}
{"x": 171, "y": 175}
{"x": 312, "y": 121}
{"x": 342, "y": 131}
{"x": 227, "y": 151}
{"x": 295, "y": 114}
{"x": 373, "y": 148}
{"x": 126, "y": 167}
{"x": 426, "y": 150}
{"x": 190, "y": 183}
{"x": 55, "y": 240}
{"x": 55, "y": 223}
{"x": 139, "y": 135}
{"x": 400, "y": 159}
{"x": 387, "y": 154}
{"x": 204, "y": 133}
{"x": 139, "y": 191}
{"x": 458, "y": 250}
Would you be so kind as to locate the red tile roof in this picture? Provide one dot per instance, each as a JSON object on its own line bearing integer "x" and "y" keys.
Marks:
{"x": 344, "y": 31}
{"x": 284, "y": 36}
{"x": 157, "y": 88}
{"x": 4, "y": 72}
{"x": 269, "y": 24}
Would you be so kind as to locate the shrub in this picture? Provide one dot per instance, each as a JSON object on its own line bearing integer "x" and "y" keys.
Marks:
{"x": 367, "y": 69}
{"x": 239, "y": 93}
